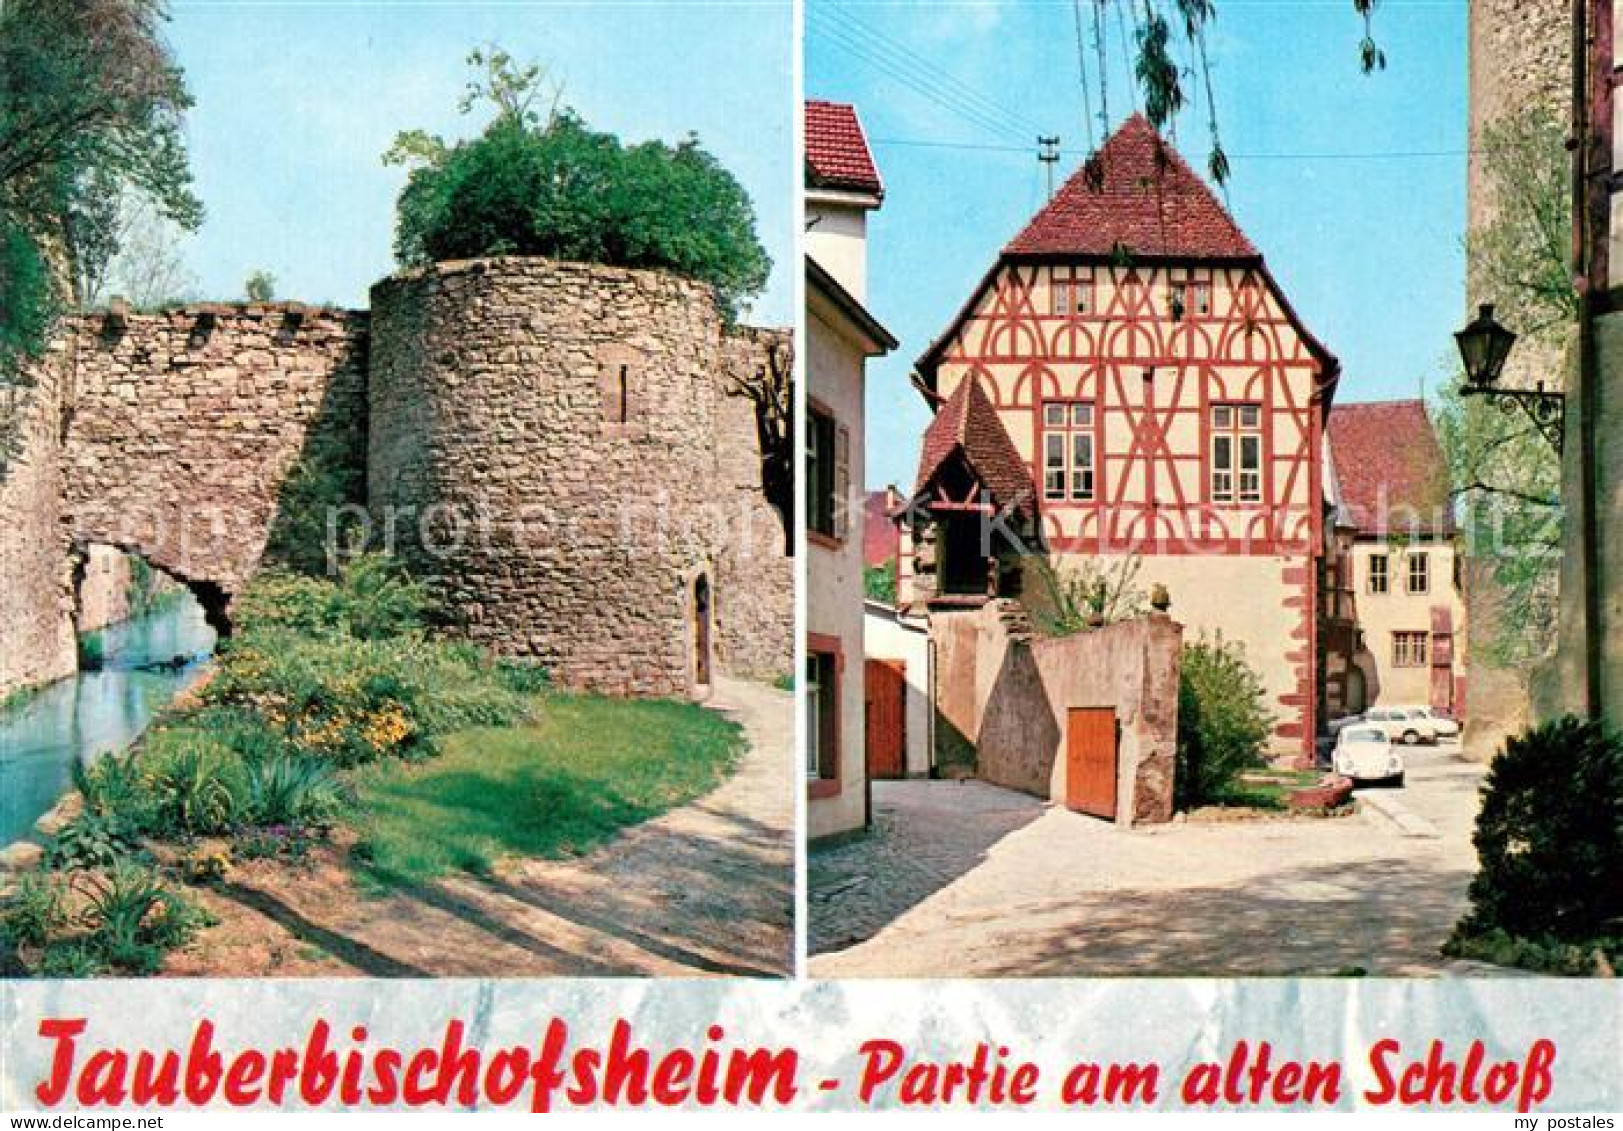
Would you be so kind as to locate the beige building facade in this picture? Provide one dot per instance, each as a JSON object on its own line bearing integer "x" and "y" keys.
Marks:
{"x": 1163, "y": 404}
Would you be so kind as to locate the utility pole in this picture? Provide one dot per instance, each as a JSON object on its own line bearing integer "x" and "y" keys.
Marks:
{"x": 1048, "y": 154}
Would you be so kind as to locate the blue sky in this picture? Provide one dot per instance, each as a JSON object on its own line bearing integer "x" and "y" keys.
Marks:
{"x": 297, "y": 101}
{"x": 1367, "y": 247}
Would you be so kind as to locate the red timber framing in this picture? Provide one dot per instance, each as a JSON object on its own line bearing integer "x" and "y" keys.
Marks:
{"x": 1153, "y": 382}
{"x": 1134, "y": 293}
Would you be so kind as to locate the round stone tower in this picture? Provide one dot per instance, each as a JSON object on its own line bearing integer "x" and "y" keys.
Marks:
{"x": 542, "y": 449}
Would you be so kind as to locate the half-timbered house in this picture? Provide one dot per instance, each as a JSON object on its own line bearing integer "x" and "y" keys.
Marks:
{"x": 1128, "y": 379}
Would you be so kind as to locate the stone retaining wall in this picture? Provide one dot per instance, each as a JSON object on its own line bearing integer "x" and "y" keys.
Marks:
{"x": 1008, "y": 695}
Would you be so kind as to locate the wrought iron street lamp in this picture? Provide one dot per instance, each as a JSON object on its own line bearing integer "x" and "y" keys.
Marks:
{"x": 1484, "y": 348}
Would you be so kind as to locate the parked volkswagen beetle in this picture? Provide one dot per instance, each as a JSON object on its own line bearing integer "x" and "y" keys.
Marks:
{"x": 1366, "y": 755}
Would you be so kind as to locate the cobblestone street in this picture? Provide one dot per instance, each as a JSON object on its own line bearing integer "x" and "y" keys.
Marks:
{"x": 966, "y": 879}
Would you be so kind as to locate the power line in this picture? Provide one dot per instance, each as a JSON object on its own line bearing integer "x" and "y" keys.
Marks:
{"x": 926, "y": 67}
{"x": 1372, "y": 155}
{"x": 920, "y": 84}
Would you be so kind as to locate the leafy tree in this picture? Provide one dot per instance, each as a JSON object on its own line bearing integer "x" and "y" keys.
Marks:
{"x": 260, "y": 287}
{"x": 879, "y": 583}
{"x": 145, "y": 266}
{"x": 1522, "y": 255}
{"x": 90, "y": 100}
{"x": 1167, "y": 48}
{"x": 547, "y": 184}
{"x": 769, "y": 387}
{"x": 1506, "y": 476}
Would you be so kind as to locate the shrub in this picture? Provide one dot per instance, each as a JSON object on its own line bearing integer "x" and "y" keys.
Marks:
{"x": 1222, "y": 724}
{"x": 1550, "y": 837}
{"x": 354, "y": 701}
{"x": 113, "y": 784}
{"x": 272, "y": 842}
{"x": 879, "y": 583}
{"x": 371, "y": 599}
{"x": 290, "y": 790}
{"x": 75, "y": 959}
{"x": 1075, "y": 598}
{"x": 199, "y": 784}
{"x": 93, "y": 840}
{"x": 522, "y": 678}
{"x": 134, "y": 918}
{"x": 35, "y": 912}
{"x": 563, "y": 190}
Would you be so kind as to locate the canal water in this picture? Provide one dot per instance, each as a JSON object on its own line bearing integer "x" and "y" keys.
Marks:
{"x": 86, "y": 715}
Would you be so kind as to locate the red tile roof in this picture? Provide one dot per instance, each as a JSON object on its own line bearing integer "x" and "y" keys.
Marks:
{"x": 837, "y": 154}
{"x": 1390, "y": 467}
{"x": 968, "y": 426}
{"x": 1137, "y": 195}
{"x": 881, "y": 537}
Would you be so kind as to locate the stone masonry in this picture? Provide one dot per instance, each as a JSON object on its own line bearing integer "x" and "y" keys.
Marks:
{"x": 188, "y": 429}
{"x": 552, "y": 445}
{"x": 1520, "y": 57}
{"x": 544, "y": 448}
{"x": 1007, "y": 694}
{"x": 36, "y": 575}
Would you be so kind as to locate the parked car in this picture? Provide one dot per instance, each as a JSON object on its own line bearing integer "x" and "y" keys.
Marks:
{"x": 1335, "y": 726}
{"x": 1442, "y": 726}
{"x": 1402, "y": 724}
{"x": 1366, "y": 755}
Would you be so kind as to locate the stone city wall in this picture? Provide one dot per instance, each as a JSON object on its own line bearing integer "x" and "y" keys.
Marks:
{"x": 755, "y": 613}
{"x": 36, "y": 577}
{"x": 196, "y": 434}
{"x": 559, "y": 449}
{"x": 543, "y": 450}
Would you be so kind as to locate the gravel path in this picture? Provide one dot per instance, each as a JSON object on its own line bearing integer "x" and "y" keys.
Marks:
{"x": 968, "y": 880}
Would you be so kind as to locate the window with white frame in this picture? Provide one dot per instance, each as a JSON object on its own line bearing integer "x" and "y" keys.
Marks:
{"x": 1071, "y": 296}
{"x": 1236, "y": 454}
{"x": 822, "y": 715}
{"x": 1068, "y": 451}
{"x": 1419, "y": 576}
{"x": 1410, "y": 649}
{"x": 1380, "y": 581}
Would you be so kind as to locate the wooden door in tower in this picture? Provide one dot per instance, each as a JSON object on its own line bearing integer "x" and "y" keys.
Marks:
{"x": 701, "y": 631}
{"x": 885, "y": 684}
{"x": 1090, "y": 761}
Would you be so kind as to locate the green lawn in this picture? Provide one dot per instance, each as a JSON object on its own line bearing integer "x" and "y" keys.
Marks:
{"x": 590, "y": 767}
{"x": 1266, "y": 789}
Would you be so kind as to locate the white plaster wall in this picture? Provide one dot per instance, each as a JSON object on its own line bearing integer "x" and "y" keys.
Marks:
{"x": 837, "y": 237}
{"x": 834, "y": 594}
{"x": 1379, "y": 616}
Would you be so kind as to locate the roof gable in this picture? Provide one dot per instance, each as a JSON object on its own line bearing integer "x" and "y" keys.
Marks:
{"x": 837, "y": 153}
{"x": 1390, "y": 468}
{"x": 968, "y": 427}
{"x": 1136, "y": 196}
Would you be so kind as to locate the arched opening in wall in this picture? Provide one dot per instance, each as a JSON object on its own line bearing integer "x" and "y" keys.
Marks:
{"x": 703, "y": 617}
{"x": 130, "y": 615}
